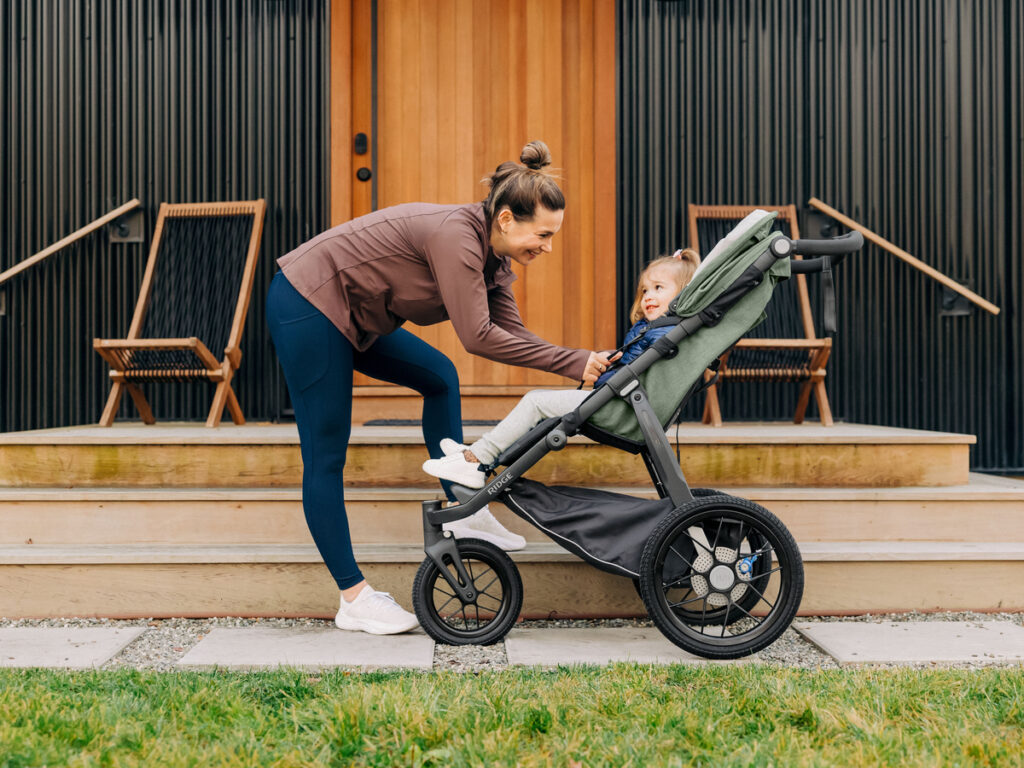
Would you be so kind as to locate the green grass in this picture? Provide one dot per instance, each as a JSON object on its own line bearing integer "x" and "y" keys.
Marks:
{"x": 621, "y": 715}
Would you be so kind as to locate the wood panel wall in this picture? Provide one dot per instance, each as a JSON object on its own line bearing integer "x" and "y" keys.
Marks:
{"x": 462, "y": 86}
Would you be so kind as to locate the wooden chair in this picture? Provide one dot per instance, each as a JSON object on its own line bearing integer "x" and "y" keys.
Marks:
{"x": 200, "y": 268}
{"x": 782, "y": 348}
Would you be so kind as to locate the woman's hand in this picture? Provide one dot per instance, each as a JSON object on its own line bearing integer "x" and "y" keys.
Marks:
{"x": 598, "y": 363}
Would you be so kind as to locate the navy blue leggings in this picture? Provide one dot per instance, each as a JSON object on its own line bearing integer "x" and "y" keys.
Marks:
{"x": 318, "y": 363}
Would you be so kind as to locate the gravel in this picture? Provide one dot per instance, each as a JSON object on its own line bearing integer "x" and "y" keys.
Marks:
{"x": 165, "y": 641}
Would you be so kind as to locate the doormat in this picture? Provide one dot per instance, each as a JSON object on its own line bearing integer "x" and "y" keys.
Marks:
{"x": 416, "y": 423}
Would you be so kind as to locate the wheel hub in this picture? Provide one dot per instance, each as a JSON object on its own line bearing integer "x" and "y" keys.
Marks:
{"x": 722, "y": 578}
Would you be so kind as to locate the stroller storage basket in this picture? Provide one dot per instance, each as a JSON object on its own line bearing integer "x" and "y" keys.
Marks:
{"x": 606, "y": 529}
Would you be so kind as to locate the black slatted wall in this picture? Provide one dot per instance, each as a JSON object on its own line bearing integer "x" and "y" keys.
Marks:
{"x": 164, "y": 101}
{"x": 906, "y": 116}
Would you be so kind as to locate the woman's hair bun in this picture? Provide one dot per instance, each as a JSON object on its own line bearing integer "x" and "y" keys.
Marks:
{"x": 535, "y": 155}
{"x": 521, "y": 188}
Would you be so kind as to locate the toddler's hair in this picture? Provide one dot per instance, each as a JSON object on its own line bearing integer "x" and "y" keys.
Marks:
{"x": 683, "y": 264}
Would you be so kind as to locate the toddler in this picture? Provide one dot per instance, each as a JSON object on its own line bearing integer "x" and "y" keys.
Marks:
{"x": 659, "y": 283}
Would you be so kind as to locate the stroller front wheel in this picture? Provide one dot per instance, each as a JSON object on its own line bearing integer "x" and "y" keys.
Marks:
{"x": 721, "y": 577}
{"x": 486, "y": 620}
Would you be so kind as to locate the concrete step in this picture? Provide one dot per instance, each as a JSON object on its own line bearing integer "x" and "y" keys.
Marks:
{"x": 987, "y": 508}
{"x": 291, "y": 580}
{"x": 187, "y": 455}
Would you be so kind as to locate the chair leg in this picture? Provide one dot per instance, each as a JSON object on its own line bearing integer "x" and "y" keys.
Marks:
{"x": 712, "y": 411}
{"x": 113, "y": 402}
{"x": 141, "y": 403}
{"x": 802, "y": 401}
{"x": 220, "y": 400}
{"x": 234, "y": 408}
{"x": 821, "y": 397}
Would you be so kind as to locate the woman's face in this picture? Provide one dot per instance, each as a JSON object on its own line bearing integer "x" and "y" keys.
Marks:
{"x": 524, "y": 241}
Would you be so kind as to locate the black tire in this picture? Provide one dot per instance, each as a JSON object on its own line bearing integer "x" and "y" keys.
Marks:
{"x": 486, "y": 620}
{"x": 683, "y": 560}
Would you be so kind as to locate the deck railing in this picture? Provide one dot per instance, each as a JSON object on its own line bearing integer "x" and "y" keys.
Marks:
{"x": 78, "y": 234}
{"x": 916, "y": 263}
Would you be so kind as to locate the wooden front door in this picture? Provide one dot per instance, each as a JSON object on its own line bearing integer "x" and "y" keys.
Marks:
{"x": 462, "y": 85}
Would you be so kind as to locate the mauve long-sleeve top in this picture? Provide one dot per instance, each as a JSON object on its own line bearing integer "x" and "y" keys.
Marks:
{"x": 422, "y": 263}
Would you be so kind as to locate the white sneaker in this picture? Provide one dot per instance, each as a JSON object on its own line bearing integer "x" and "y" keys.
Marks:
{"x": 374, "y": 612}
{"x": 449, "y": 446}
{"x": 455, "y": 468}
{"x": 483, "y": 525}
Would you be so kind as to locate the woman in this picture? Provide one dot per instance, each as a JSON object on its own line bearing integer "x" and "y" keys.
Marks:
{"x": 338, "y": 304}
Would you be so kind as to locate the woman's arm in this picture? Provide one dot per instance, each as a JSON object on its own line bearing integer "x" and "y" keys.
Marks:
{"x": 505, "y": 314}
{"x": 457, "y": 265}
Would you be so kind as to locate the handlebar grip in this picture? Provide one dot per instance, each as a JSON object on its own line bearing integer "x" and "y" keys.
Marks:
{"x": 810, "y": 266}
{"x": 848, "y": 243}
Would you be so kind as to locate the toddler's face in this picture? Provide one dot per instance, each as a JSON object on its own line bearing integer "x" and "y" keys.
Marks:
{"x": 659, "y": 288}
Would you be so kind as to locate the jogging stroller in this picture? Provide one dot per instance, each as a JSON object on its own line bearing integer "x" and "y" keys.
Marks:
{"x": 720, "y": 576}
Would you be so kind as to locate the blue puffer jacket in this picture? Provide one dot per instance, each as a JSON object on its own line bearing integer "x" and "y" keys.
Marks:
{"x": 633, "y": 350}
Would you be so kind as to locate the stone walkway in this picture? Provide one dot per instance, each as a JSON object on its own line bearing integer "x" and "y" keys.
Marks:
{"x": 917, "y": 640}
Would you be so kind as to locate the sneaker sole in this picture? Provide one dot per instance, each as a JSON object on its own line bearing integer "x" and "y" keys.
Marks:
{"x": 372, "y": 627}
{"x": 475, "y": 485}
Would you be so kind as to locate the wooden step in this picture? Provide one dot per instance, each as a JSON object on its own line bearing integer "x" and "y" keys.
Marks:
{"x": 151, "y": 581}
{"x": 988, "y": 508}
{"x": 187, "y": 455}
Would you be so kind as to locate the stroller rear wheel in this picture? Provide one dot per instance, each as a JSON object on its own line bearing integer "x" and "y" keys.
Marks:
{"x": 486, "y": 620}
{"x": 721, "y": 577}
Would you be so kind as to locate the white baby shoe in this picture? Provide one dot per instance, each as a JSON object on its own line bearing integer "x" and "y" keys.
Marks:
{"x": 449, "y": 446}
{"x": 455, "y": 468}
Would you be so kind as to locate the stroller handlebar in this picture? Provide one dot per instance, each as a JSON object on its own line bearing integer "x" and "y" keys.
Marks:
{"x": 834, "y": 250}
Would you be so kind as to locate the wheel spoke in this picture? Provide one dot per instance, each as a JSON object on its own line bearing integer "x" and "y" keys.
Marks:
{"x": 443, "y": 592}
{"x": 453, "y": 597}
{"x": 488, "y": 586}
{"x": 760, "y": 576}
{"x": 498, "y": 600}
{"x": 749, "y": 614}
{"x": 482, "y": 574}
{"x": 702, "y": 546}
{"x": 679, "y": 554}
{"x": 759, "y": 593}
{"x": 684, "y": 602}
{"x": 739, "y": 539}
{"x": 677, "y": 582}
{"x": 718, "y": 533}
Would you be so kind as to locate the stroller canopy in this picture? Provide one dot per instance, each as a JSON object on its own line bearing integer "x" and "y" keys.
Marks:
{"x": 669, "y": 380}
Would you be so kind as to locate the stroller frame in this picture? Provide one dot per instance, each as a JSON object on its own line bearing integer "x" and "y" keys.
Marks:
{"x": 442, "y": 549}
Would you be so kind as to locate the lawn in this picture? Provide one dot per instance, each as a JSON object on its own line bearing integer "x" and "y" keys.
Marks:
{"x": 621, "y": 715}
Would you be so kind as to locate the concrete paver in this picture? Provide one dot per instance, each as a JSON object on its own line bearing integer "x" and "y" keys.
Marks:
{"x": 262, "y": 647}
{"x": 599, "y": 645}
{"x": 63, "y": 647}
{"x": 910, "y": 642}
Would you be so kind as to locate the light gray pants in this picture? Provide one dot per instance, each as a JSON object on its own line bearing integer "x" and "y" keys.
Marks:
{"x": 536, "y": 405}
